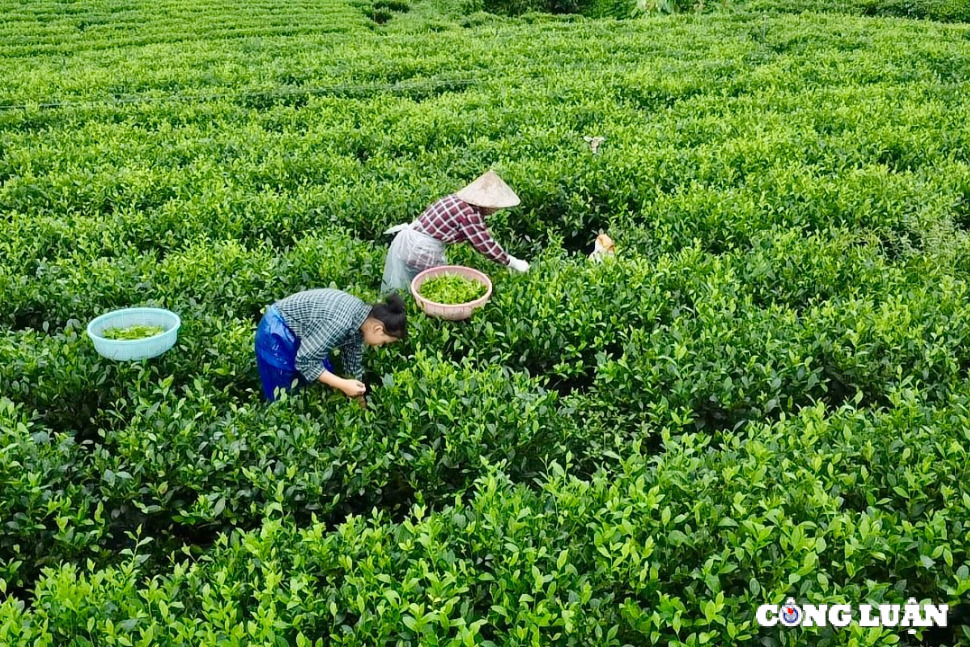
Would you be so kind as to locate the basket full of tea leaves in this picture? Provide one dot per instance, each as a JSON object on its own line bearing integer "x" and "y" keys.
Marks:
{"x": 451, "y": 292}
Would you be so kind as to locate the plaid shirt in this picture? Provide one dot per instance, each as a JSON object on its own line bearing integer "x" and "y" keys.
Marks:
{"x": 323, "y": 320}
{"x": 452, "y": 220}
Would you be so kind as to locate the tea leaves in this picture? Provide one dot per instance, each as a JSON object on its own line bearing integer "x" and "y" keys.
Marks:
{"x": 763, "y": 395}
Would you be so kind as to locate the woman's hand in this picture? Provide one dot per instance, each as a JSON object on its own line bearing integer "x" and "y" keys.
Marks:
{"x": 350, "y": 388}
{"x": 353, "y": 388}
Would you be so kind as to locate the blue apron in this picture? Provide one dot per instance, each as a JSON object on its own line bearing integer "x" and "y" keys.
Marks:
{"x": 276, "y": 348}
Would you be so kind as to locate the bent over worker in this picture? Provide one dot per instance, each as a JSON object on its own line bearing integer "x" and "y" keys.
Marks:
{"x": 453, "y": 219}
{"x": 297, "y": 334}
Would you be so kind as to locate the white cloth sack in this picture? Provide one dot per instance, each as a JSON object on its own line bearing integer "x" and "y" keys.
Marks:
{"x": 410, "y": 253}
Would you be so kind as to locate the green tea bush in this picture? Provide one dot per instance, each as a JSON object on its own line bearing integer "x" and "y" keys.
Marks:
{"x": 190, "y": 461}
{"x": 733, "y": 364}
{"x": 48, "y": 512}
{"x": 937, "y": 10}
{"x": 228, "y": 278}
{"x": 679, "y": 549}
{"x": 172, "y": 459}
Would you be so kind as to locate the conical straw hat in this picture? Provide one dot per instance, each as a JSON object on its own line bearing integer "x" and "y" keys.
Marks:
{"x": 489, "y": 191}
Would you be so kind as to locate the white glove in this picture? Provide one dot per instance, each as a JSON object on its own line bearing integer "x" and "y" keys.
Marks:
{"x": 517, "y": 265}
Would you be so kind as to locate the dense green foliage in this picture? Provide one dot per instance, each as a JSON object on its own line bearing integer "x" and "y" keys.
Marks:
{"x": 938, "y": 10}
{"x": 452, "y": 289}
{"x": 132, "y": 332}
{"x": 765, "y": 394}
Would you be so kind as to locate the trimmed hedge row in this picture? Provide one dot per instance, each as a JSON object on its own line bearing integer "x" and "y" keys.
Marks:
{"x": 186, "y": 462}
{"x": 43, "y": 28}
{"x": 676, "y": 549}
{"x": 183, "y": 447}
{"x": 937, "y": 10}
{"x": 700, "y": 140}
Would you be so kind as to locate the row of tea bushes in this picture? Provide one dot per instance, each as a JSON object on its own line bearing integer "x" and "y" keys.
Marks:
{"x": 956, "y": 11}
{"x": 184, "y": 461}
{"x": 747, "y": 129}
{"x": 724, "y": 192}
{"x": 680, "y": 549}
{"x": 44, "y": 28}
{"x": 634, "y": 349}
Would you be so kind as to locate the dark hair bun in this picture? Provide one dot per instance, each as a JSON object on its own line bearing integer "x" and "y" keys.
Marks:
{"x": 395, "y": 304}
{"x": 392, "y": 314}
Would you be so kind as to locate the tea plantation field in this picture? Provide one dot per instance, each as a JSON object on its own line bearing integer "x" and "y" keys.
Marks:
{"x": 764, "y": 395}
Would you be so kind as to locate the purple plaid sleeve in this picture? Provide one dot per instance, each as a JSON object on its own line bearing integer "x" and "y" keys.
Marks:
{"x": 474, "y": 229}
{"x": 452, "y": 220}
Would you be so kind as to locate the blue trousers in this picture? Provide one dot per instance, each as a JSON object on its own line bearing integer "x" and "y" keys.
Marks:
{"x": 276, "y": 348}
